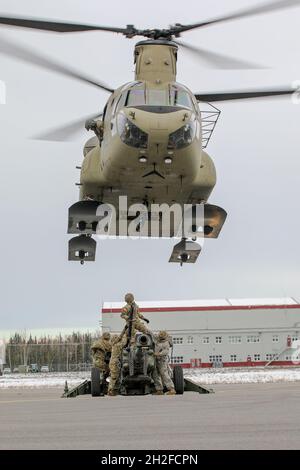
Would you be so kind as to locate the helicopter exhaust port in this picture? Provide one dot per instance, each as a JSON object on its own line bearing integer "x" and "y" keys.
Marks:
{"x": 185, "y": 251}
{"x": 82, "y": 248}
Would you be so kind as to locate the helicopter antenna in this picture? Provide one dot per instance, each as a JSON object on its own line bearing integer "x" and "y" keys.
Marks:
{"x": 154, "y": 172}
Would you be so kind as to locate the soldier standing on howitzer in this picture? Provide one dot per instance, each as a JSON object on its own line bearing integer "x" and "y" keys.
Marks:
{"x": 101, "y": 350}
{"x": 131, "y": 314}
{"x": 161, "y": 374}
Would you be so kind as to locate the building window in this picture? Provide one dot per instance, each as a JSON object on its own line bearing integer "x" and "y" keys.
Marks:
{"x": 295, "y": 338}
{"x": 205, "y": 340}
{"x": 257, "y": 357}
{"x": 270, "y": 357}
{"x": 253, "y": 339}
{"x": 275, "y": 338}
{"x": 218, "y": 339}
{"x": 217, "y": 358}
{"x": 190, "y": 340}
{"x": 177, "y": 359}
{"x": 233, "y": 358}
{"x": 177, "y": 340}
{"x": 288, "y": 358}
{"x": 235, "y": 339}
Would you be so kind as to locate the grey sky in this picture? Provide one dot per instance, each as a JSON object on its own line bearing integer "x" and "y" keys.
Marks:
{"x": 255, "y": 148}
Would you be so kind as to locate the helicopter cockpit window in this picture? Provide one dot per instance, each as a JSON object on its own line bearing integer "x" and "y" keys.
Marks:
{"x": 180, "y": 97}
{"x": 157, "y": 97}
{"x": 136, "y": 97}
{"x": 140, "y": 95}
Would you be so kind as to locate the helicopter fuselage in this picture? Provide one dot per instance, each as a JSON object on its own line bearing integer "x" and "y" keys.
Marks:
{"x": 148, "y": 147}
{"x": 151, "y": 139}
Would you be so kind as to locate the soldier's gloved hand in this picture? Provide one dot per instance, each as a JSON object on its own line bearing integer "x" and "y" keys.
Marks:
{"x": 146, "y": 320}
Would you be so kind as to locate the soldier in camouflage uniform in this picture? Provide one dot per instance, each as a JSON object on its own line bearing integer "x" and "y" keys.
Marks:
{"x": 101, "y": 349}
{"x": 137, "y": 324}
{"x": 161, "y": 374}
{"x": 118, "y": 343}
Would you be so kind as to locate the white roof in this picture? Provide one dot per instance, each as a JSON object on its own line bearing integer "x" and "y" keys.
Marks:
{"x": 205, "y": 303}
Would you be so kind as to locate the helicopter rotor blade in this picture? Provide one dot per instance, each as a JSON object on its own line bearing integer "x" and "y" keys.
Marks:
{"x": 241, "y": 95}
{"x": 260, "y": 9}
{"x": 65, "y": 132}
{"x": 20, "y": 52}
{"x": 130, "y": 31}
{"x": 218, "y": 61}
{"x": 56, "y": 26}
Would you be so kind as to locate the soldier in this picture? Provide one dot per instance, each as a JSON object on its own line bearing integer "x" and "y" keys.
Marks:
{"x": 118, "y": 343}
{"x": 161, "y": 375}
{"x": 101, "y": 350}
{"x": 131, "y": 308}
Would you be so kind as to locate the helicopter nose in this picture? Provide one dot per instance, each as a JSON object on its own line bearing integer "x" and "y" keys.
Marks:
{"x": 158, "y": 137}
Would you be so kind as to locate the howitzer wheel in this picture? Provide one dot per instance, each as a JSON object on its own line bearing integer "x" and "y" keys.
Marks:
{"x": 178, "y": 380}
{"x": 95, "y": 382}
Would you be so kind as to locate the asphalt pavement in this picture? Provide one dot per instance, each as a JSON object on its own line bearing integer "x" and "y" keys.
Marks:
{"x": 247, "y": 416}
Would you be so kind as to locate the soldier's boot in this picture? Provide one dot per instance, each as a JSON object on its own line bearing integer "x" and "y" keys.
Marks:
{"x": 171, "y": 392}
{"x": 158, "y": 392}
{"x": 112, "y": 393}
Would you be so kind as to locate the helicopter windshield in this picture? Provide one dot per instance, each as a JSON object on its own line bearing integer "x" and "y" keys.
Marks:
{"x": 180, "y": 97}
{"x": 136, "y": 96}
{"x": 174, "y": 95}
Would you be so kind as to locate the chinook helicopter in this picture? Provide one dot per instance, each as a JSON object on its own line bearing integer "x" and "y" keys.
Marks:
{"x": 150, "y": 139}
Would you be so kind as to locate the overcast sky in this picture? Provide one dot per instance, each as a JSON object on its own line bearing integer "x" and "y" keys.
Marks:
{"x": 255, "y": 148}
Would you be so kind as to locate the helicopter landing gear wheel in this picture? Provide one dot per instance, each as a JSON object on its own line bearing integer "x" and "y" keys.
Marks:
{"x": 82, "y": 225}
{"x": 82, "y": 249}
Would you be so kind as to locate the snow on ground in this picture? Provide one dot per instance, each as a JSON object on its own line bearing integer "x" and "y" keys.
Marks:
{"x": 51, "y": 379}
{"x": 243, "y": 375}
{"x": 203, "y": 376}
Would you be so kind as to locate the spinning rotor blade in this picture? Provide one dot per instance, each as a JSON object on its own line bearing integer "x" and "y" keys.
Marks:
{"x": 130, "y": 31}
{"x": 266, "y": 8}
{"x": 240, "y": 95}
{"x": 219, "y": 61}
{"x": 55, "y": 26}
{"x": 63, "y": 133}
{"x": 12, "y": 50}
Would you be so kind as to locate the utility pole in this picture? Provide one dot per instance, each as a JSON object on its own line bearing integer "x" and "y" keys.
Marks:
{"x": 67, "y": 358}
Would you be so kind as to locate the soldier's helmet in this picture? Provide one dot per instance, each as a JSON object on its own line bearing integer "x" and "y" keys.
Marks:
{"x": 106, "y": 335}
{"x": 129, "y": 298}
{"x": 162, "y": 335}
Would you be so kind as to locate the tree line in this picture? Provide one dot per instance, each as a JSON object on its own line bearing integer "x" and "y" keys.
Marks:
{"x": 61, "y": 353}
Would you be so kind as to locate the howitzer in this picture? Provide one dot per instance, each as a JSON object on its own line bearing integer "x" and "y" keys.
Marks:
{"x": 137, "y": 365}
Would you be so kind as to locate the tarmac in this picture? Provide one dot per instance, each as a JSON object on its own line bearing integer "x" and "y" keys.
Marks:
{"x": 240, "y": 416}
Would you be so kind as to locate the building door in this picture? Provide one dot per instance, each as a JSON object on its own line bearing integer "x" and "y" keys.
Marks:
{"x": 195, "y": 363}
